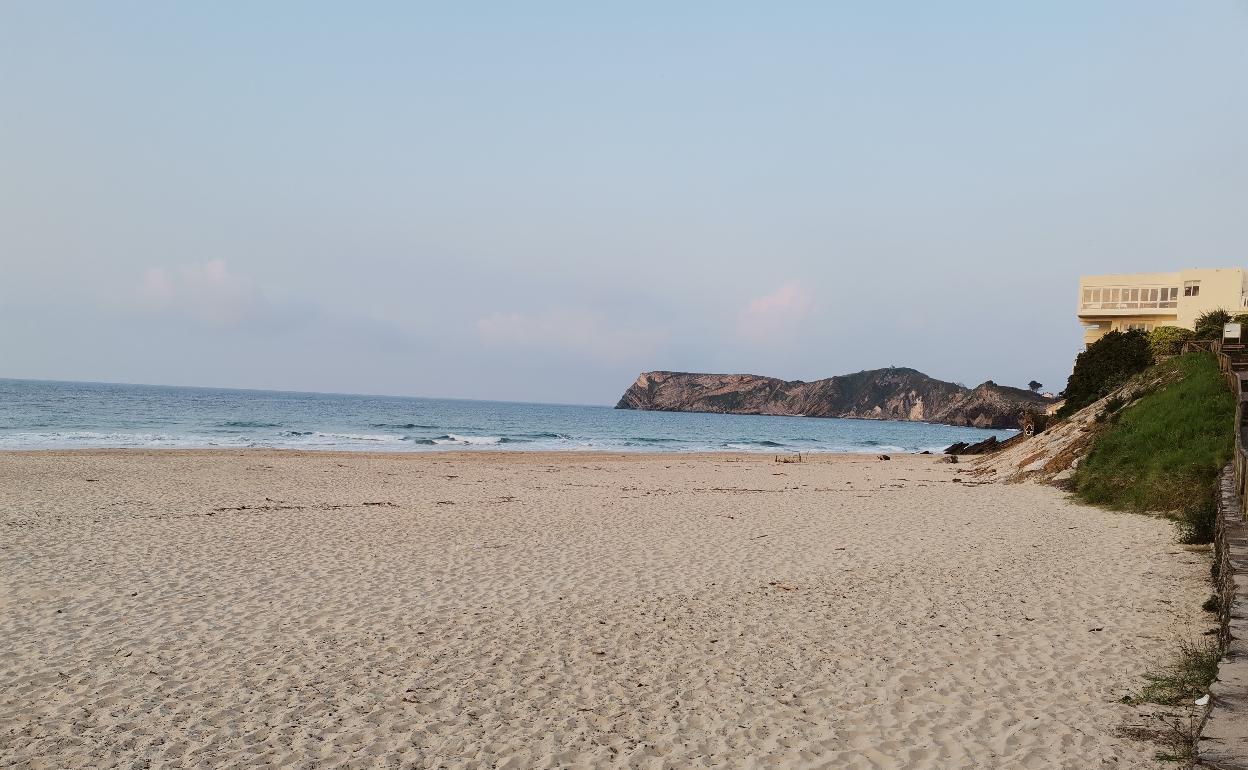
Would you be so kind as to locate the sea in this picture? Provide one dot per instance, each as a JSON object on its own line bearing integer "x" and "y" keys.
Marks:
{"x": 38, "y": 414}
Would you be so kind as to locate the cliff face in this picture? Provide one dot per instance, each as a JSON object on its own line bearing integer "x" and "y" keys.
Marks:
{"x": 879, "y": 394}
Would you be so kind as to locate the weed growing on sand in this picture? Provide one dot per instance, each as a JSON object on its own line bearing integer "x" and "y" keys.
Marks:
{"x": 1175, "y": 733}
{"x": 1186, "y": 678}
{"x": 1178, "y": 685}
{"x": 1178, "y": 735}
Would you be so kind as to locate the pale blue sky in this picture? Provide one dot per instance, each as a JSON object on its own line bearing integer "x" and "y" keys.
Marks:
{"x": 537, "y": 201}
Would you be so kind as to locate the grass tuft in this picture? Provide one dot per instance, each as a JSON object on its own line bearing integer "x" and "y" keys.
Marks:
{"x": 1110, "y": 409}
{"x": 1186, "y": 678}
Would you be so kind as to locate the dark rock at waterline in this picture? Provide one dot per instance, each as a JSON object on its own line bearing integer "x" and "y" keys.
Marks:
{"x": 989, "y": 444}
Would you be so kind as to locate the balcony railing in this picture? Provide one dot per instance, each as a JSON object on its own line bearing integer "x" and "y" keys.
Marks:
{"x": 1151, "y": 305}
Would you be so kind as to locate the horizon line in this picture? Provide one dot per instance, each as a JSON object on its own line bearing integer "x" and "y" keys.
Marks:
{"x": 286, "y": 390}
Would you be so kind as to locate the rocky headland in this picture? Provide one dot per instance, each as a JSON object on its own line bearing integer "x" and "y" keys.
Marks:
{"x": 877, "y": 394}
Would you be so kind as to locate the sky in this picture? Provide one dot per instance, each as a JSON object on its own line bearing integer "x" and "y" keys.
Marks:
{"x": 538, "y": 201}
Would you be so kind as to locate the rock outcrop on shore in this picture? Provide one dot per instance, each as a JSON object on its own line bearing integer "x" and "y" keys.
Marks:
{"x": 987, "y": 446}
{"x": 877, "y": 394}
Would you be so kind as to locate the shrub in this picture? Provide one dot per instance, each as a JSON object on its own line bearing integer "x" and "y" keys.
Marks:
{"x": 1168, "y": 340}
{"x": 1209, "y": 324}
{"x": 1106, "y": 364}
{"x": 1198, "y": 520}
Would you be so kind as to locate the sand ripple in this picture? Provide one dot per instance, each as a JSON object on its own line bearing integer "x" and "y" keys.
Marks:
{"x": 207, "y": 610}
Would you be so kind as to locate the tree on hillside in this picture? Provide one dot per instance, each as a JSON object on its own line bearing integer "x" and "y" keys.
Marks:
{"x": 1035, "y": 386}
{"x": 1209, "y": 324}
{"x": 1106, "y": 364}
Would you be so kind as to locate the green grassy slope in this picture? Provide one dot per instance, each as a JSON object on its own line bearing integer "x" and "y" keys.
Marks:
{"x": 1163, "y": 453}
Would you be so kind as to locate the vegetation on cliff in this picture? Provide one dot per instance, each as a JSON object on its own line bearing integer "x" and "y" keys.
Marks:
{"x": 1107, "y": 364}
{"x": 1168, "y": 340}
{"x": 1209, "y": 324}
{"x": 1164, "y": 451}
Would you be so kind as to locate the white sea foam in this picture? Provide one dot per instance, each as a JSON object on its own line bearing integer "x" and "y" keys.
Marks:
{"x": 380, "y": 438}
{"x": 330, "y": 440}
{"x": 452, "y": 438}
{"x": 97, "y": 439}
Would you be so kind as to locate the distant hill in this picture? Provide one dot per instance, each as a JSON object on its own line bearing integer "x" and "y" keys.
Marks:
{"x": 877, "y": 394}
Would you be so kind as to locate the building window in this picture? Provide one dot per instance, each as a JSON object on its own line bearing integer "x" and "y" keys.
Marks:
{"x": 1128, "y": 298}
{"x": 1191, "y": 288}
{"x": 1139, "y": 327}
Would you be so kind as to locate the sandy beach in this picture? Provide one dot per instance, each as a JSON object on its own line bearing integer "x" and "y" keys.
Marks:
{"x": 495, "y": 610}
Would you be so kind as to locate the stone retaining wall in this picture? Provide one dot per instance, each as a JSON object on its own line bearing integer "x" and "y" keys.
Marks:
{"x": 1223, "y": 740}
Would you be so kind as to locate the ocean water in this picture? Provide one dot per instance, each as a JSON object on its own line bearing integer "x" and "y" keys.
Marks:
{"x": 60, "y": 415}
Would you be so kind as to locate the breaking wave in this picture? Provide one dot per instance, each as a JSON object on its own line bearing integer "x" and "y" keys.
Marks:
{"x": 452, "y": 439}
{"x": 248, "y": 424}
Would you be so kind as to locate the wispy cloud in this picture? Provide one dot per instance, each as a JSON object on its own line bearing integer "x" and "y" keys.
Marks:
{"x": 210, "y": 294}
{"x": 576, "y": 331}
{"x": 206, "y": 292}
{"x": 781, "y": 312}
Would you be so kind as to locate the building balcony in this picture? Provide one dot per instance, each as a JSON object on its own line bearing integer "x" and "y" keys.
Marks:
{"x": 1093, "y": 309}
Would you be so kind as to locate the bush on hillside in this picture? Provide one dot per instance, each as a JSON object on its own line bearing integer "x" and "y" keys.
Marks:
{"x": 1168, "y": 340}
{"x": 1164, "y": 452}
{"x": 1106, "y": 364}
{"x": 1209, "y": 324}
